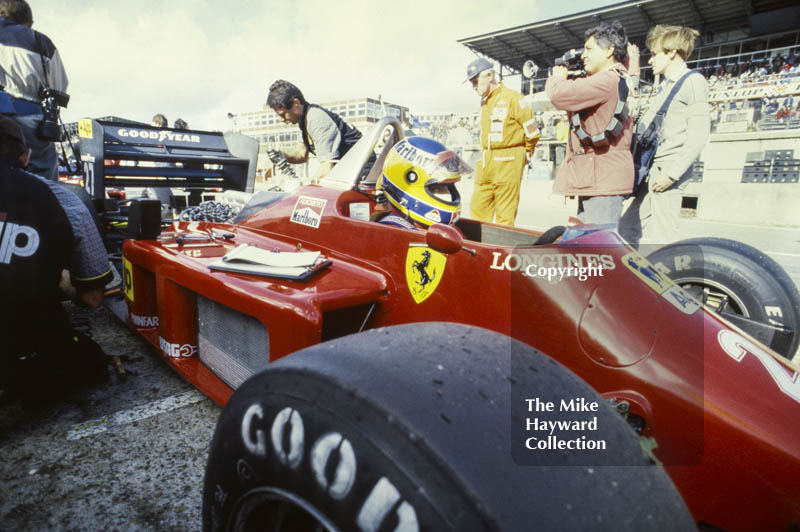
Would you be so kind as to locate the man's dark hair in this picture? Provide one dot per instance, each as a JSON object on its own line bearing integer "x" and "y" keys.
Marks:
{"x": 180, "y": 124}
{"x": 610, "y": 34}
{"x": 17, "y": 10}
{"x": 12, "y": 141}
{"x": 282, "y": 94}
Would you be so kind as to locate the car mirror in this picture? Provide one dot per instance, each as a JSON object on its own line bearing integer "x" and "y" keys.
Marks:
{"x": 444, "y": 238}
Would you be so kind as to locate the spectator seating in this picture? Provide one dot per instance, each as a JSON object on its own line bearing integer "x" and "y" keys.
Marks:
{"x": 777, "y": 166}
{"x": 756, "y": 172}
{"x": 697, "y": 172}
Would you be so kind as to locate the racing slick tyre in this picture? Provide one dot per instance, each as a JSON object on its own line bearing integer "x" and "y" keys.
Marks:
{"x": 410, "y": 428}
{"x": 739, "y": 282}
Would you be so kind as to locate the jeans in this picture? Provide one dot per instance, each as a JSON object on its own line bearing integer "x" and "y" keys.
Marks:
{"x": 599, "y": 209}
{"x": 44, "y": 161}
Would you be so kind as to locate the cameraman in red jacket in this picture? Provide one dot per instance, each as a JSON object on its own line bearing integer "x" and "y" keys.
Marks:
{"x": 598, "y": 167}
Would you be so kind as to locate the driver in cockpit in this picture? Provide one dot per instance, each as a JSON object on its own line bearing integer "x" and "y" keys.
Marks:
{"x": 419, "y": 181}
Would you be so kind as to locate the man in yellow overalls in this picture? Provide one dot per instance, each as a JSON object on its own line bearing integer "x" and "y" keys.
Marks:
{"x": 509, "y": 134}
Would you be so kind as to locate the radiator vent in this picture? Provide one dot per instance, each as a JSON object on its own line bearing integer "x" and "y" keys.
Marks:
{"x": 233, "y": 345}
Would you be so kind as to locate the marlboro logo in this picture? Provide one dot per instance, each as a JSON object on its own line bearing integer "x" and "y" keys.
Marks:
{"x": 308, "y": 211}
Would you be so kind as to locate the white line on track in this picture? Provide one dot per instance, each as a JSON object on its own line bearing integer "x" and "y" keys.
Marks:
{"x": 123, "y": 417}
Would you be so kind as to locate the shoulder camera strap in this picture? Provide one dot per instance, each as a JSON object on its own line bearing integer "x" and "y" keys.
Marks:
{"x": 40, "y": 50}
{"x": 663, "y": 109}
{"x": 615, "y": 125}
{"x": 655, "y": 124}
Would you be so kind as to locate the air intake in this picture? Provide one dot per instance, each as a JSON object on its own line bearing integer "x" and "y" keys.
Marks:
{"x": 233, "y": 345}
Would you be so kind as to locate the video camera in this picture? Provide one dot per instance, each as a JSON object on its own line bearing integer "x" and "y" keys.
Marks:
{"x": 572, "y": 60}
{"x": 52, "y": 100}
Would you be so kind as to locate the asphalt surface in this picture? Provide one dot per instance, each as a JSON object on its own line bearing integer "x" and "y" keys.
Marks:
{"x": 130, "y": 454}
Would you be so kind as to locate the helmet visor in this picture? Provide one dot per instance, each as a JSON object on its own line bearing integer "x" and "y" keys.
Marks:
{"x": 446, "y": 167}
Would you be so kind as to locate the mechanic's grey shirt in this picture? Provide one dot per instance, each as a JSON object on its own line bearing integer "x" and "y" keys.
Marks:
{"x": 687, "y": 124}
{"x": 89, "y": 261}
{"x": 324, "y": 134}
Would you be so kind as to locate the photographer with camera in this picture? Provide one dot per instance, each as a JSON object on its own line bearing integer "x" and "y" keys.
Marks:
{"x": 32, "y": 74}
{"x": 598, "y": 167}
{"x": 674, "y": 131}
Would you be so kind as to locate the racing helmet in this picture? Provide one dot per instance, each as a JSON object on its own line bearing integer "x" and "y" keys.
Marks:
{"x": 418, "y": 179}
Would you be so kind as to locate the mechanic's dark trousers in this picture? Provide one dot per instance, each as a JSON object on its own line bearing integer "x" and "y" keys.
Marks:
{"x": 42, "y": 354}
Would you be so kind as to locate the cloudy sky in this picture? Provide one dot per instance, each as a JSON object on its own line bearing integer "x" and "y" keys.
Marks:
{"x": 200, "y": 59}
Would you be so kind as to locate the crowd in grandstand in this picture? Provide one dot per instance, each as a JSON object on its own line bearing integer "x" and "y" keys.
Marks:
{"x": 452, "y": 131}
{"x": 777, "y": 81}
{"x": 776, "y": 106}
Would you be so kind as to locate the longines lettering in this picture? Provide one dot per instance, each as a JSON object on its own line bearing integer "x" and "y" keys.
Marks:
{"x": 513, "y": 262}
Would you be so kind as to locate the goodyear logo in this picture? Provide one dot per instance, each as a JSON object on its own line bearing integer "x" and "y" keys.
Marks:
{"x": 157, "y": 135}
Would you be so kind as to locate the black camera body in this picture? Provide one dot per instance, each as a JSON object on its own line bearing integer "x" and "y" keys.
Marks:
{"x": 48, "y": 129}
{"x": 572, "y": 60}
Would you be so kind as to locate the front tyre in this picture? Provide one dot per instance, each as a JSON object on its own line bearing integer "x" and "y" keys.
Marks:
{"x": 409, "y": 428}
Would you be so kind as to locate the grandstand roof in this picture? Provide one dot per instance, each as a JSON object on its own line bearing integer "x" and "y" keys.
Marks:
{"x": 544, "y": 41}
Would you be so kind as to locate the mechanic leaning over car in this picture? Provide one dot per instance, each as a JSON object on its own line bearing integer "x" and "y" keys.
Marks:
{"x": 30, "y": 62}
{"x": 324, "y": 133}
{"x": 598, "y": 167}
{"x": 509, "y": 134}
{"x": 44, "y": 229}
{"x": 419, "y": 181}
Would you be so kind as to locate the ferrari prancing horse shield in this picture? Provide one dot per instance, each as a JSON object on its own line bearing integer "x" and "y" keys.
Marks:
{"x": 424, "y": 270}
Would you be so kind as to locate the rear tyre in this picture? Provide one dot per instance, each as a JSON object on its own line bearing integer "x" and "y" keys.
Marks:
{"x": 409, "y": 428}
{"x": 739, "y": 282}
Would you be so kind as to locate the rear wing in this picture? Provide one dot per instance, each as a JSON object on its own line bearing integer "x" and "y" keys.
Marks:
{"x": 124, "y": 155}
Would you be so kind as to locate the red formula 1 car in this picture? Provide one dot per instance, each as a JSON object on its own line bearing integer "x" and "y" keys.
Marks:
{"x": 448, "y": 380}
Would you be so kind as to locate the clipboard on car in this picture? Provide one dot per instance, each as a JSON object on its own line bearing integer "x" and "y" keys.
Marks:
{"x": 289, "y": 265}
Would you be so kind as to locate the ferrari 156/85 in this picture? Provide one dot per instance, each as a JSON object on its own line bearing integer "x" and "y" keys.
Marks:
{"x": 445, "y": 380}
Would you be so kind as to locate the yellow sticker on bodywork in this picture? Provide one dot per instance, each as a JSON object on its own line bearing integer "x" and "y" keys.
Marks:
{"x": 424, "y": 270}
{"x": 646, "y": 272}
{"x": 127, "y": 278}
{"x": 85, "y": 128}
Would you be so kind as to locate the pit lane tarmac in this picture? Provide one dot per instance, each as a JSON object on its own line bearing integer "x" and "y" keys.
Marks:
{"x": 126, "y": 455}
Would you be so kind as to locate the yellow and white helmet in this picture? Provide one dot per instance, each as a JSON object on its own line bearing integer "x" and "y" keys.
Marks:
{"x": 419, "y": 177}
